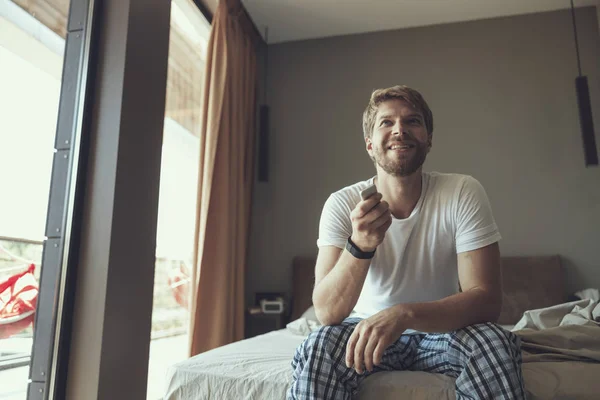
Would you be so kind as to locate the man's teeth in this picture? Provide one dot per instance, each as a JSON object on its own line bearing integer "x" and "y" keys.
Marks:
{"x": 396, "y": 146}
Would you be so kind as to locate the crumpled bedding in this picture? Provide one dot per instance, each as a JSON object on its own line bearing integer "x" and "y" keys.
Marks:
{"x": 566, "y": 332}
{"x": 303, "y": 326}
{"x": 561, "y": 350}
{"x": 582, "y": 312}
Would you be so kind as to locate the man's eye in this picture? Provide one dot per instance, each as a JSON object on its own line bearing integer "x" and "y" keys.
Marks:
{"x": 386, "y": 122}
{"x": 414, "y": 121}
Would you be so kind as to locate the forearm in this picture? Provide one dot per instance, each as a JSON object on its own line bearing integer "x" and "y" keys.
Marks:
{"x": 335, "y": 296}
{"x": 451, "y": 313}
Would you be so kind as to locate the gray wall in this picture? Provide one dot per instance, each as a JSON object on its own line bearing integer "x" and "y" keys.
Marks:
{"x": 505, "y": 110}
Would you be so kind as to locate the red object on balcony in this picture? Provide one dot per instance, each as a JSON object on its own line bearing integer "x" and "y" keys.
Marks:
{"x": 18, "y": 299}
{"x": 179, "y": 281}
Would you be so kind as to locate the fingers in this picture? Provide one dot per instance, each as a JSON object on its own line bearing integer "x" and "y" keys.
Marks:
{"x": 359, "y": 352}
{"x": 365, "y": 219}
{"x": 369, "y": 349}
{"x": 372, "y": 355}
{"x": 350, "y": 349}
{"x": 378, "y": 353}
{"x": 385, "y": 217}
{"x": 367, "y": 205}
{"x": 365, "y": 347}
{"x": 380, "y": 209}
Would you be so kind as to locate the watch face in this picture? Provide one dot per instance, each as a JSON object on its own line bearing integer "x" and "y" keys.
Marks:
{"x": 272, "y": 307}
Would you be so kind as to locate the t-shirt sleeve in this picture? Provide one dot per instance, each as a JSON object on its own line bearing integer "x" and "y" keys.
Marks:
{"x": 475, "y": 224}
{"x": 335, "y": 226}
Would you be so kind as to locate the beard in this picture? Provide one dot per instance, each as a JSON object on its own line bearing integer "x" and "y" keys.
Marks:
{"x": 402, "y": 166}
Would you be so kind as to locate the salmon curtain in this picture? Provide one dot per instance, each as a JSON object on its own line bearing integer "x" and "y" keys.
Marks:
{"x": 225, "y": 180}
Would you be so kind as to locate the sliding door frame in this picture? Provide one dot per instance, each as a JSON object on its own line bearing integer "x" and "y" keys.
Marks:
{"x": 92, "y": 328}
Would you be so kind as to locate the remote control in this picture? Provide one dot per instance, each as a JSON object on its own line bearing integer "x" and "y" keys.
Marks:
{"x": 368, "y": 192}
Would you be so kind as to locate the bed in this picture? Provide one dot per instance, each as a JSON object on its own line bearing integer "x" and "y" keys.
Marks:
{"x": 561, "y": 351}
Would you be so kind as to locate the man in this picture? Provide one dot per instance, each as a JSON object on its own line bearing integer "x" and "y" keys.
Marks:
{"x": 393, "y": 264}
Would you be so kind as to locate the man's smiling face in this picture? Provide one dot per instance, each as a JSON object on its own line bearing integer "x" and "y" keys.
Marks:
{"x": 399, "y": 142}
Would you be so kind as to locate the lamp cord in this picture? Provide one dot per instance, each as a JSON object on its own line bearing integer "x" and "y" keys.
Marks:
{"x": 576, "y": 40}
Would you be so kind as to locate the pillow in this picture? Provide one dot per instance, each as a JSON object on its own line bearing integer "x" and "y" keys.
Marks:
{"x": 310, "y": 314}
{"x": 306, "y": 324}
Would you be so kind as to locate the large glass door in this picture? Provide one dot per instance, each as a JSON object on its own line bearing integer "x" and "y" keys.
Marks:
{"x": 45, "y": 46}
{"x": 188, "y": 40}
{"x": 32, "y": 46}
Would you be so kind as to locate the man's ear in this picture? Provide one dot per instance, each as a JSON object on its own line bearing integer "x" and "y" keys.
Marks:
{"x": 368, "y": 145}
{"x": 429, "y": 143}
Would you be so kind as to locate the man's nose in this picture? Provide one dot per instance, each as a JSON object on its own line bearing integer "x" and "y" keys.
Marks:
{"x": 399, "y": 129}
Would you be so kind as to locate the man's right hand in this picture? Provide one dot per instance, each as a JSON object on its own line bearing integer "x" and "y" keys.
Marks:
{"x": 371, "y": 218}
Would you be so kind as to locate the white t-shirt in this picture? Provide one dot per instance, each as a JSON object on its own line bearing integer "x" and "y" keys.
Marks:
{"x": 416, "y": 262}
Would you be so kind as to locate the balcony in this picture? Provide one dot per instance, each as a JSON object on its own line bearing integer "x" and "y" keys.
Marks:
{"x": 169, "y": 338}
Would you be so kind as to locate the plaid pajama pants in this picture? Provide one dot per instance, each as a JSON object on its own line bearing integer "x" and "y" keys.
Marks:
{"x": 484, "y": 359}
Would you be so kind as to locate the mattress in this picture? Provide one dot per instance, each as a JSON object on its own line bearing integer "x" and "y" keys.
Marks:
{"x": 260, "y": 368}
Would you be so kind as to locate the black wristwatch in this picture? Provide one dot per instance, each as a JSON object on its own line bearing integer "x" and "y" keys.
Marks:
{"x": 358, "y": 253}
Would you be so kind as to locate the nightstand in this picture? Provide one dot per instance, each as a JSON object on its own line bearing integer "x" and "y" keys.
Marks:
{"x": 257, "y": 324}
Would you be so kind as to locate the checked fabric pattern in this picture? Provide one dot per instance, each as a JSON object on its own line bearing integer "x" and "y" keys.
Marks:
{"x": 484, "y": 359}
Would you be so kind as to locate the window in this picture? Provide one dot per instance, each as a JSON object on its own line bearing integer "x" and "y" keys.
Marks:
{"x": 32, "y": 45}
{"x": 31, "y": 62}
{"x": 178, "y": 191}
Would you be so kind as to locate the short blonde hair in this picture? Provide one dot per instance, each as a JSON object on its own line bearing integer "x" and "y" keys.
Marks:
{"x": 411, "y": 96}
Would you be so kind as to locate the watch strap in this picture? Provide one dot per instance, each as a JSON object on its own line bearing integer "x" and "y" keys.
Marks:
{"x": 357, "y": 252}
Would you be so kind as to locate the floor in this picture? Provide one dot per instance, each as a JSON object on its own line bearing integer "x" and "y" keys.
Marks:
{"x": 163, "y": 353}
{"x": 13, "y": 383}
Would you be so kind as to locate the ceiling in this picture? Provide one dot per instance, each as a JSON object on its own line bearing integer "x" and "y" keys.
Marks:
{"x": 289, "y": 20}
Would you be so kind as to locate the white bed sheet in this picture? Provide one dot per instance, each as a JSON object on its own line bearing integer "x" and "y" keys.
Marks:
{"x": 256, "y": 368}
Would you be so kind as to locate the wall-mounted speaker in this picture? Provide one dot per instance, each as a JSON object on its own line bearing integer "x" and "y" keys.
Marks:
{"x": 585, "y": 106}
{"x": 586, "y": 121}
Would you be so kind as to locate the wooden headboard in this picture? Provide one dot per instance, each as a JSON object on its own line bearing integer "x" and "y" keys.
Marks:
{"x": 303, "y": 281}
{"x": 528, "y": 283}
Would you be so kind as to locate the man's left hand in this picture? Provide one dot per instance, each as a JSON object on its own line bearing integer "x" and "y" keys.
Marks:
{"x": 371, "y": 338}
